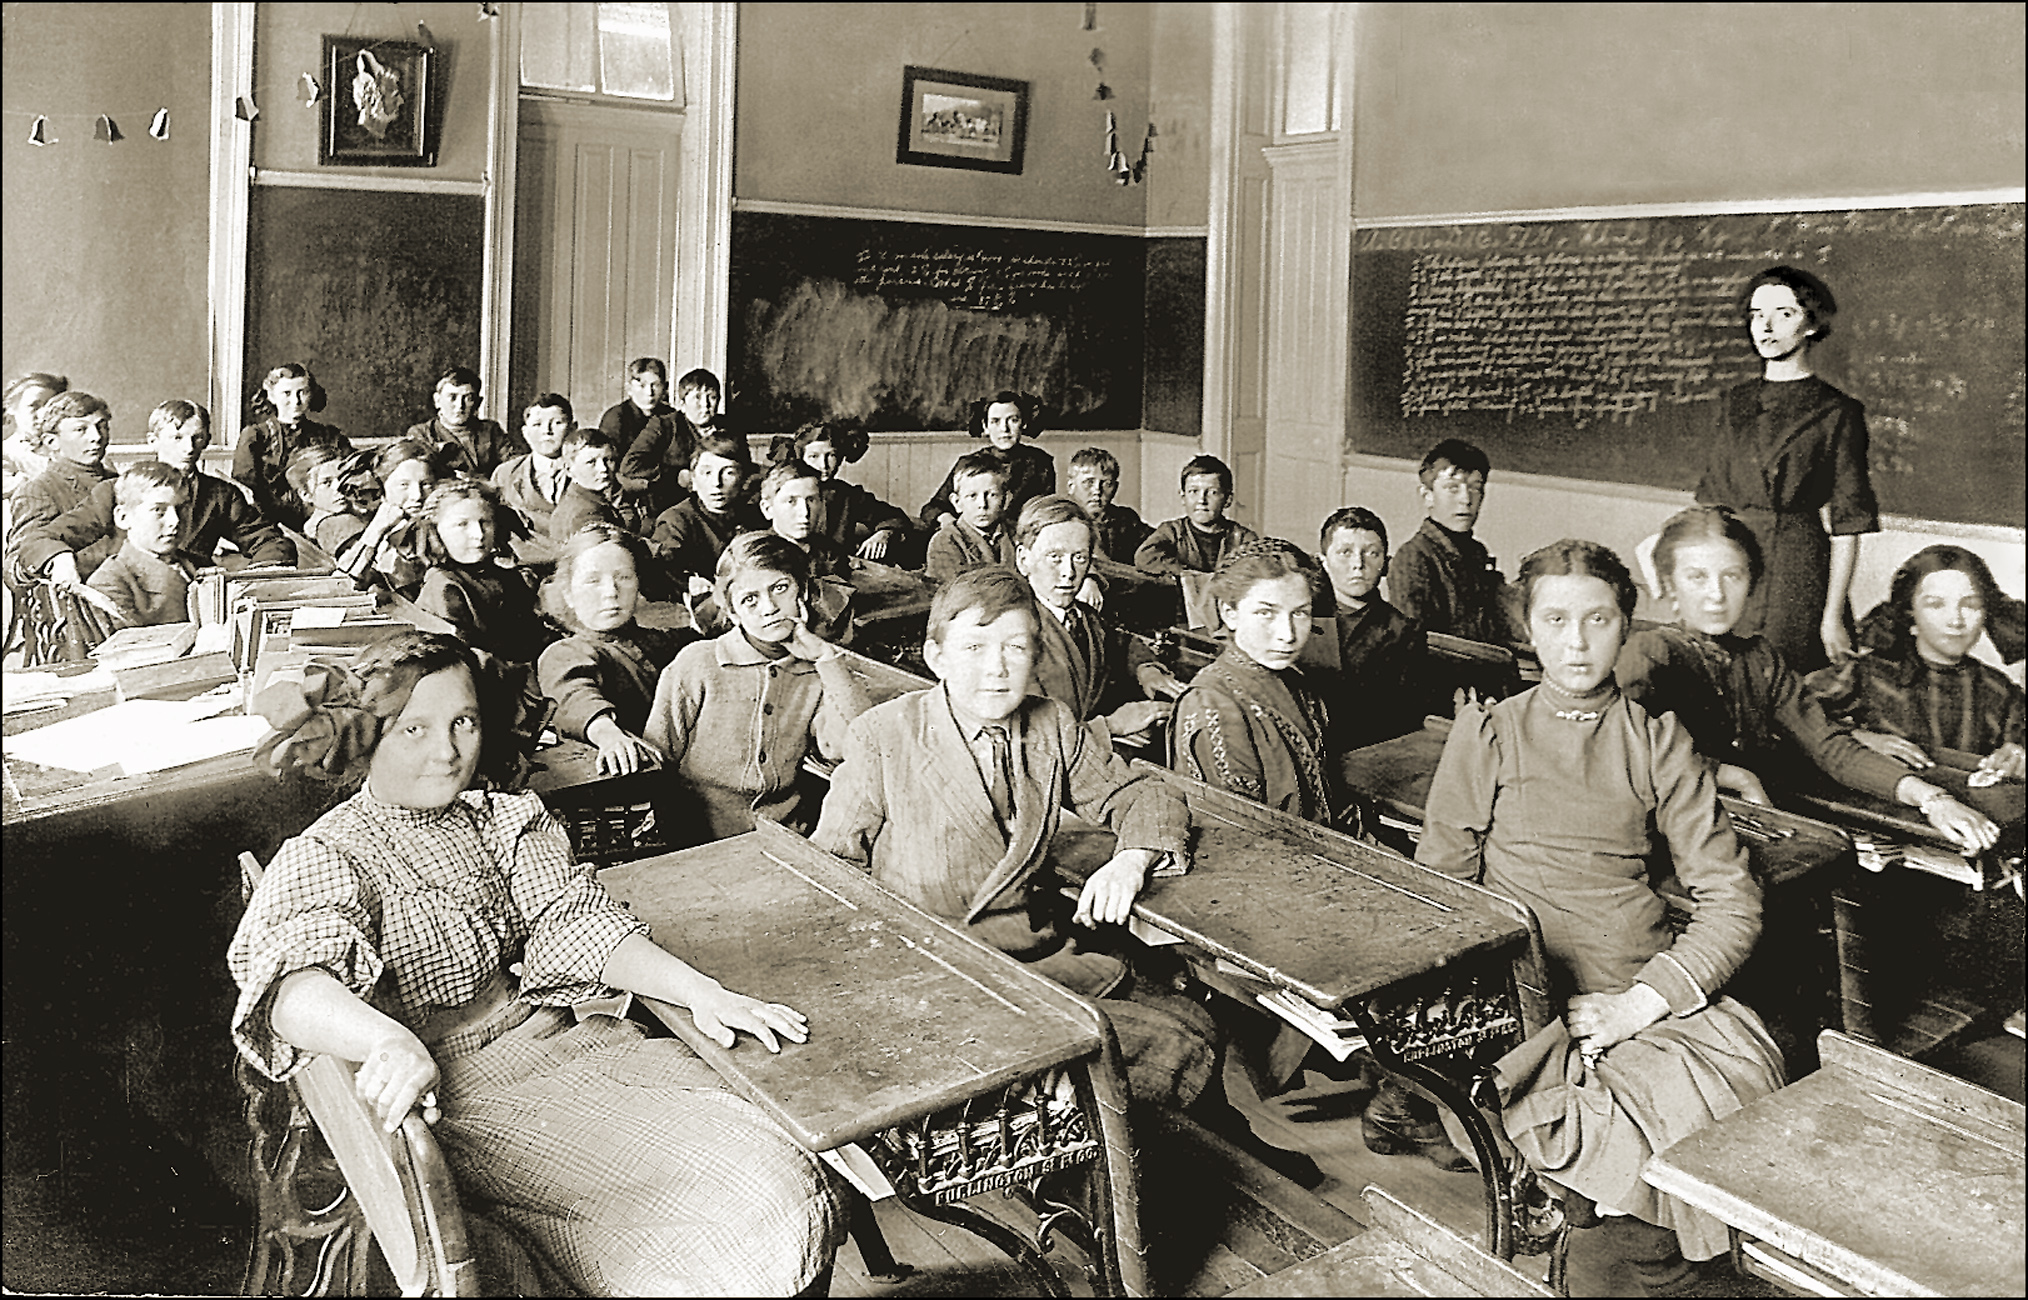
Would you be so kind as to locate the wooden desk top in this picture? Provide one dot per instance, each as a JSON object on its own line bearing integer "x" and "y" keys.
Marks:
{"x": 2006, "y": 803}
{"x": 1396, "y": 774}
{"x": 1890, "y": 1176}
{"x": 883, "y": 593}
{"x": 1302, "y": 906}
{"x": 907, "y": 1016}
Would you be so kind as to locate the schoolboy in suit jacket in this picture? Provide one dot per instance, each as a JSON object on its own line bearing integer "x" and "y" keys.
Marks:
{"x": 958, "y": 820}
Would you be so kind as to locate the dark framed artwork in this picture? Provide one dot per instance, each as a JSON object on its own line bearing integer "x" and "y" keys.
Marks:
{"x": 956, "y": 119}
{"x": 376, "y": 103}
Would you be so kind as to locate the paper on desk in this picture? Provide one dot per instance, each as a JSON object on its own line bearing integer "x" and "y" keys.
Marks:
{"x": 24, "y": 691}
{"x": 1339, "y": 1037}
{"x": 140, "y": 736}
{"x": 1149, "y": 933}
{"x": 316, "y": 616}
{"x": 858, "y": 1169}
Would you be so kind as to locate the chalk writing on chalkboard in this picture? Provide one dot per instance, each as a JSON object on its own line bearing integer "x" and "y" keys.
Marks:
{"x": 979, "y": 278}
{"x": 904, "y": 325}
{"x": 1593, "y": 348}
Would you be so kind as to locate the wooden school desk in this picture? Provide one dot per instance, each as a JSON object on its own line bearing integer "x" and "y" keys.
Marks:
{"x": 925, "y": 1045}
{"x": 1893, "y": 926}
{"x": 1874, "y": 1176}
{"x": 1440, "y": 975}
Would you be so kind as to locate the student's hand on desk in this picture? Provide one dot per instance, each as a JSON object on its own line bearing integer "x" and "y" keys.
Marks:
{"x": 1133, "y": 721}
{"x": 1108, "y": 897}
{"x": 621, "y": 753}
{"x": 1741, "y": 783}
{"x": 699, "y": 586}
{"x": 1092, "y": 594}
{"x": 1894, "y": 747}
{"x": 1161, "y": 684}
{"x": 63, "y": 572}
{"x": 721, "y": 1014}
{"x": 2008, "y": 760}
{"x": 1599, "y": 1020}
{"x": 875, "y": 547}
{"x": 1973, "y": 831}
{"x": 397, "y": 1070}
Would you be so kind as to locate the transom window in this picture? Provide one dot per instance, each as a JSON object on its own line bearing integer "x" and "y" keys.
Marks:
{"x": 625, "y": 50}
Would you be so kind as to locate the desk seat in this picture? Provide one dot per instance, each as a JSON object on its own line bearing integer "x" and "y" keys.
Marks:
{"x": 1404, "y": 1253}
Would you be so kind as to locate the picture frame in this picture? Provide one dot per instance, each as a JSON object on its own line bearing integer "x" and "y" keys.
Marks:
{"x": 961, "y": 119}
{"x": 376, "y": 102}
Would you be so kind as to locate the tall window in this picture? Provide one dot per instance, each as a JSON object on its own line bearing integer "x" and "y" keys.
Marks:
{"x": 625, "y": 50}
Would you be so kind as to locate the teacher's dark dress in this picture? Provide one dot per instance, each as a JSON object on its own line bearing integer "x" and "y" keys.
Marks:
{"x": 1780, "y": 452}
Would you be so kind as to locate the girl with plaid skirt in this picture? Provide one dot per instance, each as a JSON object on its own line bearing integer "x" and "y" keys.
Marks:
{"x": 385, "y": 934}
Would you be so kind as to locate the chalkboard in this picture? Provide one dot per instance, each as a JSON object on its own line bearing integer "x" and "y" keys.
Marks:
{"x": 377, "y": 292}
{"x": 903, "y": 324}
{"x": 1590, "y": 349}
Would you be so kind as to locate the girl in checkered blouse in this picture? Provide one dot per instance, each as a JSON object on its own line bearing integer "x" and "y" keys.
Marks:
{"x": 384, "y": 934}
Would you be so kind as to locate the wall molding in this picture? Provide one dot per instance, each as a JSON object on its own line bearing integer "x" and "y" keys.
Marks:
{"x": 702, "y": 297}
{"x": 271, "y": 178}
{"x": 1715, "y": 208}
{"x": 232, "y": 39}
{"x": 503, "y": 136}
{"x": 782, "y": 207}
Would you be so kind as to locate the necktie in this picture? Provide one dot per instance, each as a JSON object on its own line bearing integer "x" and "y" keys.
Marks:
{"x": 1000, "y": 781}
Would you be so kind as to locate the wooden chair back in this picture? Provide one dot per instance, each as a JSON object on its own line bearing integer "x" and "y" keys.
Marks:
{"x": 397, "y": 1183}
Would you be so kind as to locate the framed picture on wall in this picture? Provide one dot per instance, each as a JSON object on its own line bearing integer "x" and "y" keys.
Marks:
{"x": 376, "y": 103}
{"x": 956, "y": 119}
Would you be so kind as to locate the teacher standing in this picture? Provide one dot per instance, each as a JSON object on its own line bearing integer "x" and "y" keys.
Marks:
{"x": 1789, "y": 457}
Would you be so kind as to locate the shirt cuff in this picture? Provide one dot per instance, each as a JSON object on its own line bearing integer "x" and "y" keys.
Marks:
{"x": 1667, "y": 976}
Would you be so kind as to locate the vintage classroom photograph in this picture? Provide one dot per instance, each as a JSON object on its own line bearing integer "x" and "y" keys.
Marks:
{"x": 1014, "y": 649}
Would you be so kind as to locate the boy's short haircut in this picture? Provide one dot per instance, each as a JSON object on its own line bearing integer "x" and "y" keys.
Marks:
{"x": 758, "y": 552}
{"x": 457, "y": 377}
{"x": 175, "y": 413}
{"x": 694, "y": 380}
{"x": 72, "y": 405}
{"x": 1460, "y": 455}
{"x": 988, "y": 589}
{"x": 586, "y": 436}
{"x": 144, "y": 476}
{"x": 304, "y": 459}
{"x": 726, "y": 446}
{"x": 1356, "y": 519}
{"x": 979, "y": 462}
{"x": 781, "y": 474}
{"x": 549, "y": 402}
{"x": 1041, "y": 512}
{"x": 1097, "y": 458}
{"x": 647, "y": 365}
{"x": 1206, "y": 465}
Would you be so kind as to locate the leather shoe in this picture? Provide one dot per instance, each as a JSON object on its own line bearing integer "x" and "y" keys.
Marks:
{"x": 1399, "y": 1123}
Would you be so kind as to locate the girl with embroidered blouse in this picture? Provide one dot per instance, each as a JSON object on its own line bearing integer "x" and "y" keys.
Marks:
{"x": 736, "y": 715}
{"x": 1250, "y": 721}
{"x": 472, "y": 583}
{"x": 1738, "y": 698}
{"x": 603, "y": 675}
{"x": 1914, "y": 689}
{"x": 1557, "y": 797}
{"x": 385, "y": 935}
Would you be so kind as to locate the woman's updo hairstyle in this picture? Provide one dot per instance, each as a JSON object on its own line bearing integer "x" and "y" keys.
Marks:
{"x": 597, "y": 533}
{"x": 1265, "y": 559}
{"x": 1889, "y": 628}
{"x": 263, "y": 407}
{"x": 1574, "y": 557}
{"x": 1031, "y": 412}
{"x": 1705, "y": 524}
{"x": 1812, "y": 294}
{"x": 762, "y": 552}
